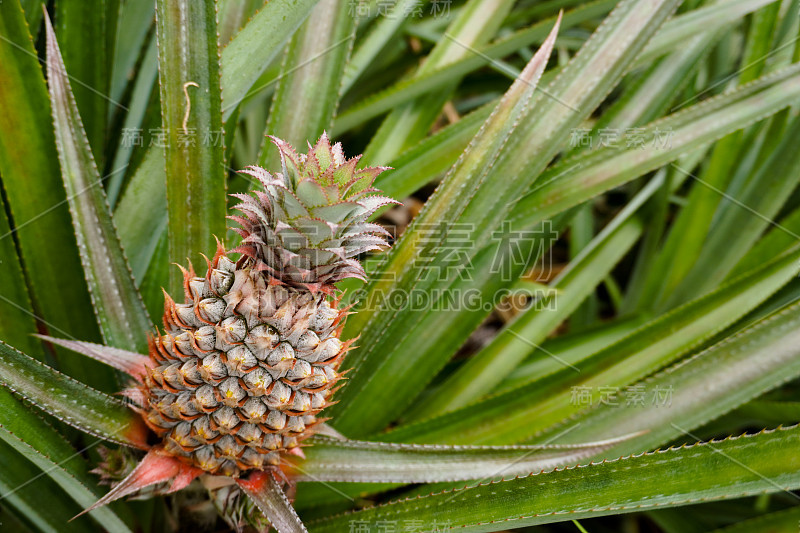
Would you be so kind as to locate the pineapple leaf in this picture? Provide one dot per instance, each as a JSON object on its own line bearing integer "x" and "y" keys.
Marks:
{"x": 256, "y": 45}
{"x": 438, "y": 78}
{"x": 131, "y": 363}
{"x": 131, "y": 40}
{"x": 364, "y": 403}
{"x": 769, "y": 188}
{"x": 581, "y": 177}
{"x": 33, "y": 14}
{"x": 672, "y": 36}
{"x": 475, "y": 25}
{"x": 378, "y": 35}
{"x": 233, "y": 15}
{"x": 17, "y": 492}
{"x": 15, "y": 303}
{"x": 40, "y": 443}
{"x": 745, "y": 365}
{"x": 35, "y": 196}
{"x": 122, "y": 317}
{"x": 584, "y": 273}
{"x": 711, "y": 17}
{"x": 87, "y": 31}
{"x": 778, "y": 521}
{"x": 69, "y": 400}
{"x": 570, "y": 349}
{"x": 153, "y": 468}
{"x": 775, "y": 241}
{"x": 315, "y": 57}
{"x": 377, "y": 462}
{"x": 508, "y": 416}
{"x": 142, "y": 107}
{"x": 432, "y": 157}
{"x": 141, "y": 215}
{"x": 263, "y": 489}
{"x": 188, "y": 64}
{"x": 735, "y": 467}
{"x": 650, "y": 94}
{"x": 689, "y": 231}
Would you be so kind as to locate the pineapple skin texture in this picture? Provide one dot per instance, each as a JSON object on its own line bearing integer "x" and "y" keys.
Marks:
{"x": 243, "y": 369}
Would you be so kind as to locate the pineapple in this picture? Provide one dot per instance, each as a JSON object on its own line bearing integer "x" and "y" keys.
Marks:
{"x": 251, "y": 357}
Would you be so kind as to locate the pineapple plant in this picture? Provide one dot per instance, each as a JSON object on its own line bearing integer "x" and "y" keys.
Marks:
{"x": 248, "y": 361}
{"x": 593, "y": 216}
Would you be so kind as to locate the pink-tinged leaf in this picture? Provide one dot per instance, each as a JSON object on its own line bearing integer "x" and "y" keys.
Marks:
{"x": 71, "y": 401}
{"x": 154, "y": 468}
{"x": 129, "y": 362}
{"x": 263, "y": 489}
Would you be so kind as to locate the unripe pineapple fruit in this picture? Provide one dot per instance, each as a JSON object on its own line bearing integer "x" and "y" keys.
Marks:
{"x": 243, "y": 368}
{"x": 250, "y": 358}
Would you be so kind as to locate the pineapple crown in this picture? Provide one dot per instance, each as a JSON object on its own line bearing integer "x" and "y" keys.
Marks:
{"x": 311, "y": 219}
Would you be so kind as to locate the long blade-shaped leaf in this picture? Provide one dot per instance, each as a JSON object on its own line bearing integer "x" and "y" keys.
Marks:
{"x": 141, "y": 107}
{"x": 777, "y": 522}
{"x": 69, "y": 400}
{"x": 484, "y": 148}
{"x": 431, "y": 157}
{"x": 520, "y": 413}
{"x": 32, "y": 180}
{"x": 129, "y": 362}
{"x": 779, "y": 238}
{"x": 712, "y": 16}
{"x": 377, "y": 462}
{"x": 673, "y": 35}
{"x": 688, "y": 234}
{"x": 576, "y": 179}
{"x": 142, "y": 213}
{"x": 399, "y": 353}
{"x": 735, "y": 467}
{"x": 153, "y": 468}
{"x": 743, "y": 367}
{"x": 17, "y": 324}
{"x": 131, "y": 37}
{"x": 475, "y": 24}
{"x": 120, "y": 312}
{"x": 416, "y": 167}
{"x": 779, "y": 175}
{"x": 254, "y": 48}
{"x": 482, "y": 372}
{"x": 188, "y": 65}
{"x": 378, "y": 36}
{"x": 571, "y": 349}
{"x": 17, "y": 492}
{"x": 233, "y": 14}
{"x": 87, "y": 30}
{"x": 54, "y": 456}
